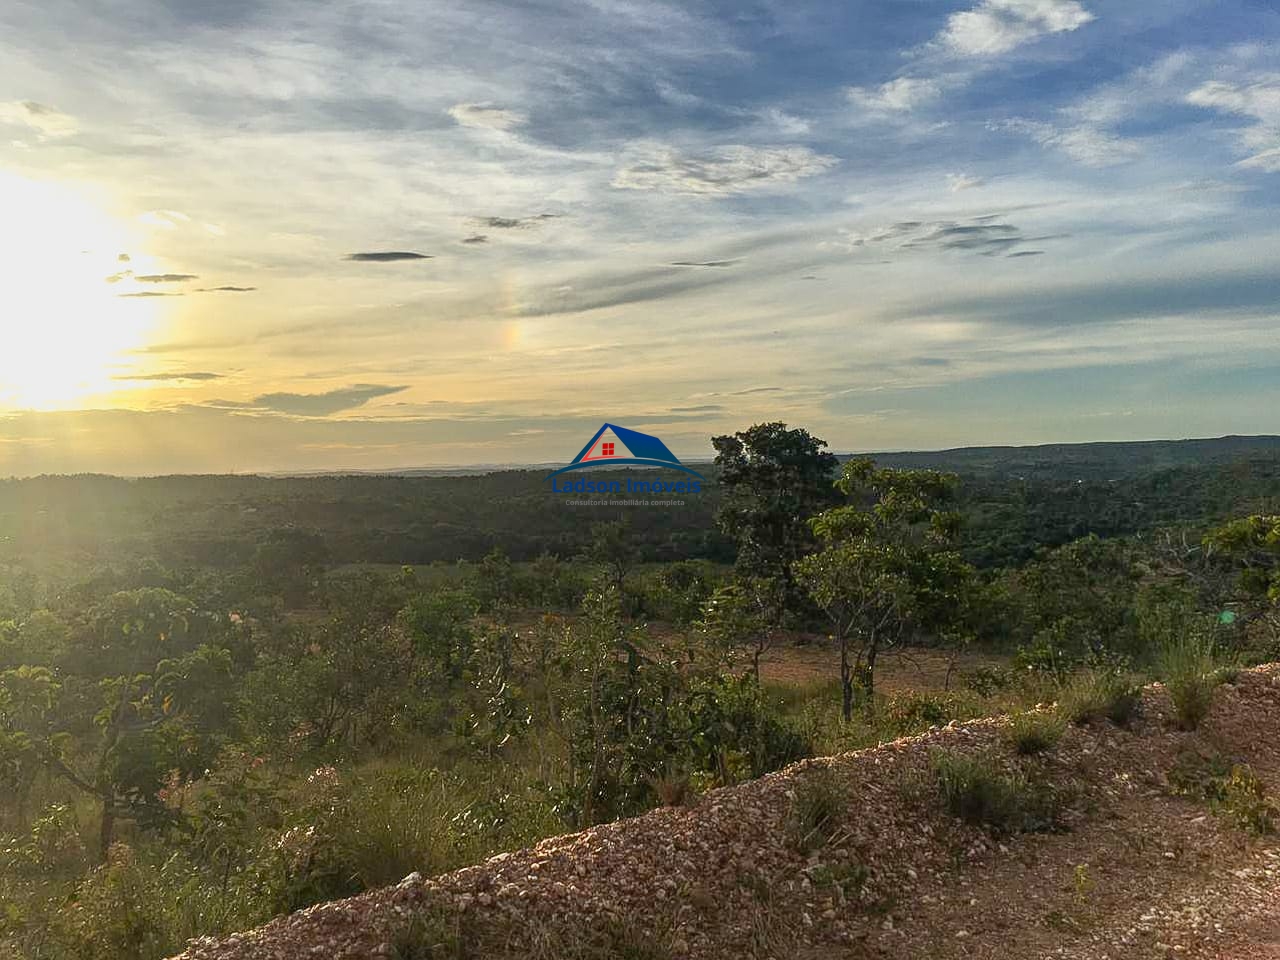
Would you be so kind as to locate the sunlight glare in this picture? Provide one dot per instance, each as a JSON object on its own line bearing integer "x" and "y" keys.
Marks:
{"x": 63, "y": 327}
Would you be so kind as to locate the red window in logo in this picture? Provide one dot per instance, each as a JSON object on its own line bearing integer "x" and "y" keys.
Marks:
{"x": 606, "y": 449}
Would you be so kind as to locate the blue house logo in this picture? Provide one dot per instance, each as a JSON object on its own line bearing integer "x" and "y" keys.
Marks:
{"x": 617, "y": 446}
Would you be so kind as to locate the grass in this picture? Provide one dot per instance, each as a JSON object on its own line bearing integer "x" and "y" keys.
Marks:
{"x": 1098, "y": 695}
{"x": 1233, "y": 791}
{"x": 813, "y": 709}
{"x": 974, "y": 789}
{"x": 816, "y": 810}
{"x": 773, "y": 927}
{"x": 1034, "y": 732}
{"x": 429, "y": 935}
{"x": 1192, "y": 670}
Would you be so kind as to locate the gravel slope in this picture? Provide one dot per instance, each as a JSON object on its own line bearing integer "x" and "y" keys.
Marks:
{"x": 1136, "y": 872}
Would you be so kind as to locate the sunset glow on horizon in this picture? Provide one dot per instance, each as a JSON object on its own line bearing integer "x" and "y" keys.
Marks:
{"x": 370, "y": 235}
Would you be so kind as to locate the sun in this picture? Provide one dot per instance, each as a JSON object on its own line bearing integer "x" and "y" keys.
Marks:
{"x": 63, "y": 326}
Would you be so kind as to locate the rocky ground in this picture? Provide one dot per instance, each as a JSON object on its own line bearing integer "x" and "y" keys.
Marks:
{"x": 1133, "y": 869}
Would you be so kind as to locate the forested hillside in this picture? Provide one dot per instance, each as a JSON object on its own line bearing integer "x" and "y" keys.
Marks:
{"x": 1016, "y": 499}
{"x": 225, "y": 698}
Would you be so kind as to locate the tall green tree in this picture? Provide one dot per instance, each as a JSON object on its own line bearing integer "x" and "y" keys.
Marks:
{"x": 887, "y": 564}
{"x": 1252, "y": 546}
{"x": 774, "y": 479}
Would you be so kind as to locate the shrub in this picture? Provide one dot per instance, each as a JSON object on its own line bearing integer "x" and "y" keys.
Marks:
{"x": 1246, "y": 804}
{"x": 974, "y": 789}
{"x": 910, "y": 712}
{"x": 1034, "y": 732}
{"x": 739, "y": 718}
{"x": 1199, "y": 775}
{"x": 116, "y": 912}
{"x": 986, "y": 680}
{"x": 818, "y": 803}
{"x": 1233, "y": 791}
{"x": 1190, "y": 668}
{"x": 1100, "y": 695}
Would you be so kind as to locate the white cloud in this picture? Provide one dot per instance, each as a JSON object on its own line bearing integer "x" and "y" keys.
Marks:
{"x": 786, "y": 123}
{"x": 168, "y": 219}
{"x": 729, "y": 169}
{"x": 487, "y": 116}
{"x": 963, "y": 181}
{"x": 45, "y": 120}
{"x": 1267, "y": 161}
{"x": 1088, "y": 145}
{"x": 998, "y": 26}
{"x": 1259, "y": 100}
{"x": 902, "y": 94}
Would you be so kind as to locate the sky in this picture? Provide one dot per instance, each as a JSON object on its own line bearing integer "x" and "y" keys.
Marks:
{"x": 271, "y": 235}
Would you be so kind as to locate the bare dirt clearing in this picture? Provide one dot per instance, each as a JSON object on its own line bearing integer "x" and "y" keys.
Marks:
{"x": 901, "y": 669}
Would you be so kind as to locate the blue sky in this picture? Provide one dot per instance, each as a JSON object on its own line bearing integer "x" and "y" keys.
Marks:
{"x": 304, "y": 235}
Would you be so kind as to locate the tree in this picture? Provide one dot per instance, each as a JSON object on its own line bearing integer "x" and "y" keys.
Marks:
{"x": 1252, "y": 546}
{"x": 611, "y": 545}
{"x": 148, "y": 724}
{"x": 886, "y": 564}
{"x": 290, "y": 562}
{"x": 748, "y": 610}
{"x": 774, "y": 480}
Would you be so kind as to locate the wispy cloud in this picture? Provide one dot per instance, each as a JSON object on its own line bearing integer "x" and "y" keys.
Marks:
{"x": 963, "y": 181}
{"x": 900, "y": 95}
{"x": 994, "y": 27}
{"x": 514, "y": 223}
{"x": 726, "y": 170}
{"x": 487, "y": 116}
{"x": 45, "y": 120}
{"x": 1089, "y": 145}
{"x": 198, "y": 376}
{"x": 165, "y": 277}
{"x": 323, "y": 404}
{"x": 988, "y": 234}
{"x": 386, "y": 256}
{"x": 225, "y": 289}
{"x": 1259, "y": 100}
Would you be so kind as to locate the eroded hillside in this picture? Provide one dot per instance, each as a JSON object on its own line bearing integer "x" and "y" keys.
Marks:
{"x": 1134, "y": 840}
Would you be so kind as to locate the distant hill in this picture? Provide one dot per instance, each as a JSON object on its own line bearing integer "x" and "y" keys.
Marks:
{"x": 1017, "y": 500}
{"x": 1107, "y": 460}
{"x": 1085, "y": 461}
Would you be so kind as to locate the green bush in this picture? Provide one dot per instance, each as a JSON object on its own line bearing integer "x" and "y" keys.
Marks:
{"x": 818, "y": 804}
{"x": 987, "y": 680}
{"x": 974, "y": 789}
{"x": 1100, "y": 695}
{"x": 912, "y": 712}
{"x": 1199, "y": 774}
{"x": 1246, "y": 804}
{"x": 378, "y": 825}
{"x": 1034, "y": 732}
{"x": 1191, "y": 670}
{"x": 1233, "y": 791}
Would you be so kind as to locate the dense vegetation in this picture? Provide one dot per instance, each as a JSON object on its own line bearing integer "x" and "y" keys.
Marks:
{"x": 1016, "y": 501}
{"x": 226, "y": 697}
